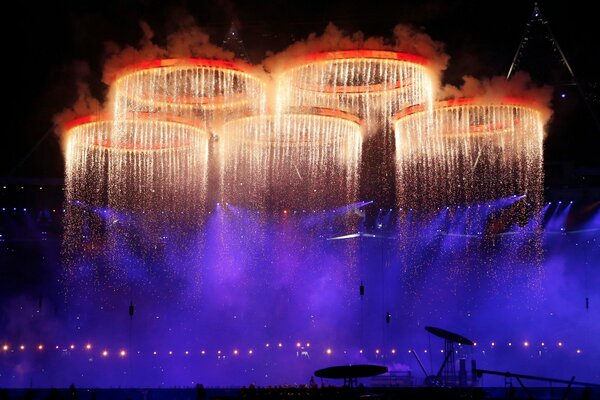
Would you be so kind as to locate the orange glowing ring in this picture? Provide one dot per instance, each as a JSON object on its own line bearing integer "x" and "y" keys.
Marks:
{"x": 72, "y": 128}
{"x": 217, "y": 101}
{"x": 330, "y": 57}
{"x": 356, "y": 89}
{"x": 184, "y": 62}
{"x": 463, "y": 101}
{"x": 86, "y": 119}
{"x": 505, "y": 101}
{"x": 105, "y": 143}
{"x": 479, "y": 129}
{"x": 316, "y": 113}
{"x": 364, "y": 53}
{"x": 322, "y": 111}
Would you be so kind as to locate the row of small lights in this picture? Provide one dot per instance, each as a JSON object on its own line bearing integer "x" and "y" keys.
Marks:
{"x": 287, "y": 211}
{"x": 23, "y": 187}
{"x": 24, "y": 209}
{"x": 284, "y": 212}
{"x": 514, "y": 195}
{"x": 235, "y": 352}
{"x": 40, "y": 347}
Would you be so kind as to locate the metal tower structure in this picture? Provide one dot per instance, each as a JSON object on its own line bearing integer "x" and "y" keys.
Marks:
{"x": 537, "y": 20}
{"x": 234, "y": 43}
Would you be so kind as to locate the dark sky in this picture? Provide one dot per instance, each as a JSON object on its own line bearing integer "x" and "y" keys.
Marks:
{"x": 43, "y": 39}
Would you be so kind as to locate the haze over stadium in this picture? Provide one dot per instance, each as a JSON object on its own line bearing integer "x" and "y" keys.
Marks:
{"x": 222, "y": 206}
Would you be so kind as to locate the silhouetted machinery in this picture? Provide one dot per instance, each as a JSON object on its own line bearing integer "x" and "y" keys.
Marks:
{"x": 351, "y": 373}
{"x": 446, "y": 375}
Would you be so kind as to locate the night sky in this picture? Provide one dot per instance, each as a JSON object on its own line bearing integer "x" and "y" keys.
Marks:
{"x": 44, "y": 41}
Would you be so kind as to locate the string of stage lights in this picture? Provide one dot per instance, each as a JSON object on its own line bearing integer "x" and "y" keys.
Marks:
{"x": 558, "y": 216}
{"x": 300, "y": 349}
{"x": 89, "y": 359}
{"x": 35, "y": 212}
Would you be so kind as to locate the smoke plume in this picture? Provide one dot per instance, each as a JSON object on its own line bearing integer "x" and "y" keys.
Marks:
{"x": 85, "y": 103}
{"x": 497, "y": 87}
{"x": 118, "y": 57}
{"x": 406, "y": 39}
{"x": 186, "y": 40}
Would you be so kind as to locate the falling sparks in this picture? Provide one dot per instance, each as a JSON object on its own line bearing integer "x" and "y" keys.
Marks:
{"x": 291, "y": 160}
{"x": 159, "y": 163}
{"x": 468, "y": 151}
{"x": 371, "y": 84}
{"x": 112, "y": 182}
{"x": 163, "y": 163}
{"x": 144, "y": 167}
{"x": 184, "y": 134}
{"x": 153, "y": 155}
{"x": 202, "y": 90}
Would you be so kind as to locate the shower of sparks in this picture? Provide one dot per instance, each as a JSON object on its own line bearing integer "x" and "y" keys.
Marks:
{"x": 195, "y": 196}
{"x": 162, "y": 165}
{"x": 373, "y": 85}
{"x": 138, "y": 179}
{"x": 469, "y": 152}
{"x": 291, "y": 160}
{"x": 120, "y": 194}
{"x": 201, "y": 90}
{"x": 86, "y": 189}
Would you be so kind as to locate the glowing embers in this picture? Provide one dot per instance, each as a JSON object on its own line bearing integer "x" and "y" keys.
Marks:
{"x": 153, "y": 167}
{"x": 371, "y": 84}
{"x": 467, "y": 151}
{"x": 193, "y": 88}
{"x": 136, "y": 163}
{"x": 86, "y": 183}
{"x": 160, "y": 164}
{"x": 291, "y": 160}
{"x": 86, "y": 161}
{"x": 134, "y": 186}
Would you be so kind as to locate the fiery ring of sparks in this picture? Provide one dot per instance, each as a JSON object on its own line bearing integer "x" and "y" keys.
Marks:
{"x": 104, "y": 142}
{"x": 156, "y": 100}
{"x": 332, "y": 57}
{"x": 479, "y": 129}
{"x": 315, "y": 114}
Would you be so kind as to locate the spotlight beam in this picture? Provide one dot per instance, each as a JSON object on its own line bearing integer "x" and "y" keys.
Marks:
{"x": 361, "y": 234}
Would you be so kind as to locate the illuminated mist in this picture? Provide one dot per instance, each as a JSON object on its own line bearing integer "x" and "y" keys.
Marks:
{"x": 240, "y": 213}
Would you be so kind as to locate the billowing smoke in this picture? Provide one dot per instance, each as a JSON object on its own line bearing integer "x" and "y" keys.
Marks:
{"x": 118, "y": 57}
{"x": 85, "y": 103}
{"x": 497, "y": 87}
{"x": 406, "y": 39}
{"x": 188, "y": 40}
